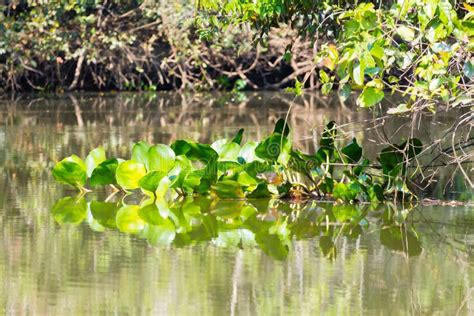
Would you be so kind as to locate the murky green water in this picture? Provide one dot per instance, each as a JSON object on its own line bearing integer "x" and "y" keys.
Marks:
{"x": 62, "y": 255}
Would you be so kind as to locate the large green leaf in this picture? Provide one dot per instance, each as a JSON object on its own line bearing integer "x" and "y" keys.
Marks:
{"x": 272, "y": 147}
{"x": 346, "y": 192}
{"x": 71, "y": 170}
{"x": 406, "y": 33}
{"x": 94, "y": 158}
{"x": 468, "y": 68}
{"x": 352, "y": 152}
{"x": 194, "y": 151}
{"x": 238, "y": 137}
{"x": 129, "y": 173}
{"x": 161, "y": 158}
{"x": 104, "y": 173}
{"x": 151, "y": 180}
{"x": 358, "y": 73}
{"x": 247, "y": 152}
{"x": 140, "y": 152}
{"x": 227, "y": 150}
{"x": 393, "y": 156}
{"x": 370, "y": 97}
{"x": 282, "y": 127}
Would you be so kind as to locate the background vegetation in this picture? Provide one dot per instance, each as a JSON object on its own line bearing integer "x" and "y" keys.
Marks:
{"x": 135, "y": 45}
{"x": 421, "y": 48}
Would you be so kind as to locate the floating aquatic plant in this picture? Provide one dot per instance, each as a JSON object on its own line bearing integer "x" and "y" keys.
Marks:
{"x": 231, "y": 169}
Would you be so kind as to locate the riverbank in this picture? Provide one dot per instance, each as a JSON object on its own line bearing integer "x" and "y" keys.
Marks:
{"x": 69, "y": 46}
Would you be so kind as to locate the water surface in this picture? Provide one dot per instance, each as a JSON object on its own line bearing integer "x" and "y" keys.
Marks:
{"x": 256, "y": 257}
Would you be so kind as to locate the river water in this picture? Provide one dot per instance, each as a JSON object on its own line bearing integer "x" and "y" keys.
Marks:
{"x": 65, "y": 255}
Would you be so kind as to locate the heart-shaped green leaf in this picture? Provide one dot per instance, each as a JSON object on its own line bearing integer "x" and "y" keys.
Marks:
{"x": 71, "y": 170}
{"x": 161, "y": 158}
{"x": 104, "y": 173}
{"x": 129, "y": 173}
{"x": 94, "y": 158}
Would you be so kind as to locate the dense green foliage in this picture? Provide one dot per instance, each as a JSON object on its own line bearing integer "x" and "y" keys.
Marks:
{"x": 420, "y": 48}
{"x": 126, "y": 45}
{"x": 229, "y": 169}
{"x": 267, "y": 224}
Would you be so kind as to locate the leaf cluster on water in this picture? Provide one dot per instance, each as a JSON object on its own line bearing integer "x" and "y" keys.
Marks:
{"x": 232, "y": 169}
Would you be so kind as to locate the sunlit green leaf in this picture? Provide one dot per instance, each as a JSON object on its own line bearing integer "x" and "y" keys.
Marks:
{"x": 129, "y": 173}
{"x": 370, "y": 97}
{"x": 151, "y": 180}
{"x": 71, "y": 170}
{"x": 95, "y": 157}
{"x": 140, "y": 152}
{"x": 161, "y": 158}
{"x": 406, "y": 33}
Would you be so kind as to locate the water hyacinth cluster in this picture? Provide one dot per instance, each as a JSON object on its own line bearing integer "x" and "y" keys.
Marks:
{"x": 231, "y": 169}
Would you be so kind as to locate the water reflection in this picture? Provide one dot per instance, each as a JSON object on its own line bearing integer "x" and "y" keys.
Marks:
{"x": 92, "y": 267}
{"x": 270, "y": 225}
{"x": 51, "y": 128}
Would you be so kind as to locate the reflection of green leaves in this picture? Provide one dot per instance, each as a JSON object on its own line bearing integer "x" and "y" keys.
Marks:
{"x": 268, "y": 224}
{"x": 71, "y": 170}
{"x": 272, "y": 245}
{"x": 104, "y": 213}
{"x": 401, "y": 238}
{"x": 150, "y": 213}
{"x": 328, "y": 247}
{"x": 70, "y": 210}
{"x": 129, "y": 173}
{"x": 162, "y": 234}
{"x": 128, "y": 219}
{"x": 345, "y": 212}
{"x": 228, "y": 189}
